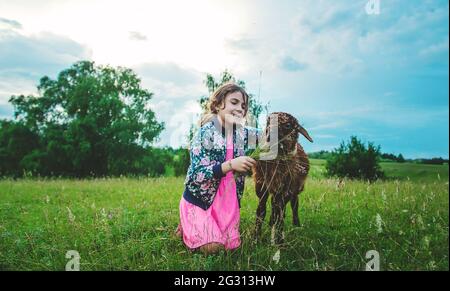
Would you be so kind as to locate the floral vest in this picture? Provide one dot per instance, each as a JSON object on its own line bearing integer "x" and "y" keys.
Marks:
{"x": 207, "y": 153}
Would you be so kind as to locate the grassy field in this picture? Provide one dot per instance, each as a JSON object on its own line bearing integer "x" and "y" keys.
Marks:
{"x": 128, "y": 224}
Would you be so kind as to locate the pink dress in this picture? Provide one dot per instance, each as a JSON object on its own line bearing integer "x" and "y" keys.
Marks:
{"x": 220, "y": 222}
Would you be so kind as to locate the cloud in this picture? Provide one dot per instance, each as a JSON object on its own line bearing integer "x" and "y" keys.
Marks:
{"x": 241, "y": 44}
{"x": 292, "y": 65}
{"x": 8, "y": 23}
{"x": 324, "y": 16}
{"x": 393, "y": 116}
{"x": 169, "y": 73}
{"x": 406, "y": 33}
{"x": 339, "y": 38}
{"x": 37, "y": 55}
{"x": 440, "y": 48}
{"x": 136, "y": 35}
{"x": 24, "y": 59}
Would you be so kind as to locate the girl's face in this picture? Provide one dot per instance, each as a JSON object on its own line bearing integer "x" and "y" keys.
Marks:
{"x": 234, "y": 109}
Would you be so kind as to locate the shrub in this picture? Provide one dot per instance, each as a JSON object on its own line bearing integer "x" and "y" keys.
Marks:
{"x": 355, "y": 160}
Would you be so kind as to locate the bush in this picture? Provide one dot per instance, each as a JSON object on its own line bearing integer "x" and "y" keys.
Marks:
{"x": 354, "y": 160}
{"x": 181, "y": 161}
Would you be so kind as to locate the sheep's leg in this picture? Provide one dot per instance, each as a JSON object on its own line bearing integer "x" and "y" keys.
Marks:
{"x": 278, "y": 211}
{"x": 294, "y": 206}
{"x": 272, "y": 213}
{"x": 261, "y": 211}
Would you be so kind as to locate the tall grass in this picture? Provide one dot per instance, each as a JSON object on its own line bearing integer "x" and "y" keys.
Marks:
{"x": 129, "y": 224}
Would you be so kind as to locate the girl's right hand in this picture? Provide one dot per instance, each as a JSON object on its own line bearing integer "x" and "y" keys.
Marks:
{"x": 242, "y": 164}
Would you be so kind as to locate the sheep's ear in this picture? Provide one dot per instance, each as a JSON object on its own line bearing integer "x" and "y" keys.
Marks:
{"x": 305, "y": 133}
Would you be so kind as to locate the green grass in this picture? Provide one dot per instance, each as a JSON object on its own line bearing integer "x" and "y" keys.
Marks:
{"x": 128, "y": 224}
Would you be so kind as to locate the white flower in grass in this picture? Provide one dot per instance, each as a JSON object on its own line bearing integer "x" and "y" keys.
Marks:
{"x": 276, "y": 257}
{"x": 103, "y": 212}
{"x": 379, "y": 223}
{"x": 71, "y": 216}
{"x": 420, "y": 222}
{"x": 426, "y": 243}
{"x": 383, "y": 195}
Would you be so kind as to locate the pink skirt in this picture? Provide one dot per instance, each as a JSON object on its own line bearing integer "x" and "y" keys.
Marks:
{"x": 218, "y": 224}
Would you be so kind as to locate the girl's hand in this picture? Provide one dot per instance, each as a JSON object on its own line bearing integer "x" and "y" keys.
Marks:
{"x": 242, "y": 164}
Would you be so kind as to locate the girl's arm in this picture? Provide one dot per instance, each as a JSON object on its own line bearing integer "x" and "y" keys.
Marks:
{"x": 203, "y": 167}
{"x": 240, "y": 164}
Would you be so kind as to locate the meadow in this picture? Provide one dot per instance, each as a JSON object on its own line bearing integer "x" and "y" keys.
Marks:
{"x": 128, "y": 224}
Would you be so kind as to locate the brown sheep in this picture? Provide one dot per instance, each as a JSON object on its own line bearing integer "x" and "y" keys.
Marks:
{"x": 283, "y": 177}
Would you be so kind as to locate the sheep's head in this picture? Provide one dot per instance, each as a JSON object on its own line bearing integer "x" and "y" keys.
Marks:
{"x": 288, "y": 131}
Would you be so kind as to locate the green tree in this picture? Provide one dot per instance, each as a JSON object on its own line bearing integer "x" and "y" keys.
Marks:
{"x": 93, "y": 120}
{"x": 355, "y": 160}
{"x": 16, "y": 142}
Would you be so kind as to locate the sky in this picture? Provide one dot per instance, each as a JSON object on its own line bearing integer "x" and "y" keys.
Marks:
{"x": 371, "y": 68}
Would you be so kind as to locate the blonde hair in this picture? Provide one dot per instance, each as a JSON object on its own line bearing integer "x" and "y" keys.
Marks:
{"x": 218, "y": 98}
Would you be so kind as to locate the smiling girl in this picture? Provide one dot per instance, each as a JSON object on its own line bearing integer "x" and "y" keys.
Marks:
{"x": 210, "y": 206}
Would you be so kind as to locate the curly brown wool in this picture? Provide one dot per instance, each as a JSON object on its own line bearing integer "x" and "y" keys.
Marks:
{"x": 284, "y": 177}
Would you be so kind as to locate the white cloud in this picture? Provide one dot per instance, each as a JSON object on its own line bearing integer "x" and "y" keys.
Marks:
{"x": 136, "y": 35}
{"x": 9, "y": 24}
{"x": 37, "y": 54}
{"x": 435, "y": 49}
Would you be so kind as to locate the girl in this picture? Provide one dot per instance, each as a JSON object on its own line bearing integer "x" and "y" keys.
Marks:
{"x": 209, "y": 208}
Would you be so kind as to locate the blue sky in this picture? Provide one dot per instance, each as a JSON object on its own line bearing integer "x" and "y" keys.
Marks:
{"x": 341, "y": 71}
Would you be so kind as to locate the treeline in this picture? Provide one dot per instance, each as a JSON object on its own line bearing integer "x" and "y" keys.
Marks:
{"x": 89, "y": 121}
{"x": 23, "y": 154}
{"x": 433, "y": 161}
{"x": 384, "y": 157}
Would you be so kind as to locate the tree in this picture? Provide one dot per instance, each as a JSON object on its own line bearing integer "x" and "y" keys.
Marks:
{"x": 16, "y": 141}
{"x": 181, "y": 161}
{"x": 92, "y": 120}
{"x": 354, "y": 160}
